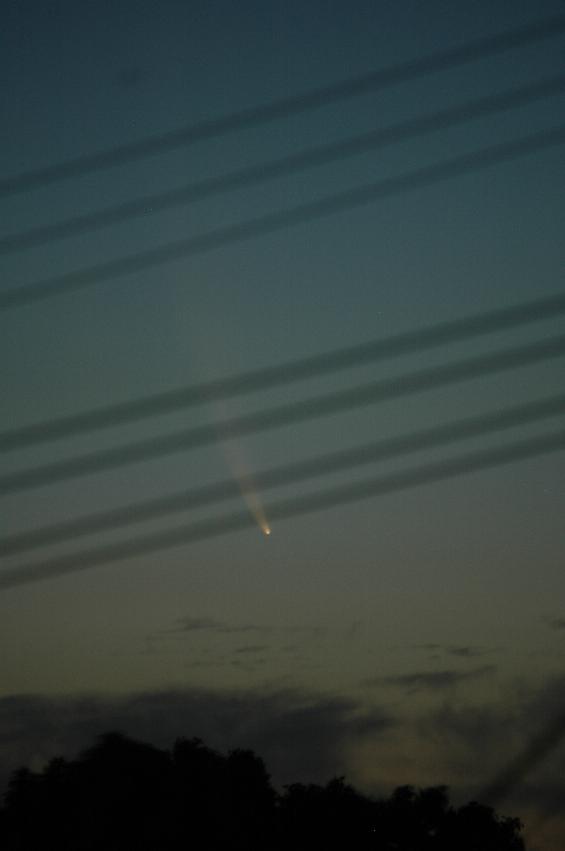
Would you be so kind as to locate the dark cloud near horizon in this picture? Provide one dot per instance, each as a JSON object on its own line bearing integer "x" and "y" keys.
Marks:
{"x": 518, "y": 745}
{"x": 214, "y": 640}
{"x": 464, "y": 651}
{"x": 301, "y": 736}
{"x": 252, "y": 648}
{"x": 515, "y": 745}
{"x": 555, "y": 623}
{"x": 191, "y": 624}
{"x": 431, "y": 680}
{"x": 533, "y": 776}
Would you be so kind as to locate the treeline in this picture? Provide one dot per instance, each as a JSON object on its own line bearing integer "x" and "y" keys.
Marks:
{"x": 125, "y": 795}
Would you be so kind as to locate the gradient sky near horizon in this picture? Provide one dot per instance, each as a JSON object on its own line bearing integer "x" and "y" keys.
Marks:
{"x": 437, "y": 614}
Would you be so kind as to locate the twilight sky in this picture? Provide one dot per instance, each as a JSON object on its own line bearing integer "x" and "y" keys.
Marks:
{"x": 416, "y": 637}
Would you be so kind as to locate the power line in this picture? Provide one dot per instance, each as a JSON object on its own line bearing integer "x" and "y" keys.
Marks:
{"x": 419, "y": 340}
{"x": 458, "y": 330}
{"x": 329, "y": 205}
{"x": 312, "y": 157}
{"x": 283, "y": 415}
{"x": 286, "y": 474}
{"x": 534, "y": 753}
{"x": 283, "y": 509}
{"x": 284, "y": 107}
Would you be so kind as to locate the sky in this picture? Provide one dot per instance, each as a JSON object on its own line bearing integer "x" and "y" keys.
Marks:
{"x": 412, "y": 637}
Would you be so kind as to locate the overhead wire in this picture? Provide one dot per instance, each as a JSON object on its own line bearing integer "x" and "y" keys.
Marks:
{"x": 266, "y": 224}
{"x": 186, "y": 534}
{"x": 286, "y": 474}
{"x": 284, "y": 107}
{"x": 527, "y": 760}
{"x": 314, "y": 407}
{"x": 300, "y": 369}
{"x": 269, "y": 223}
{"x": 312, "y": 157}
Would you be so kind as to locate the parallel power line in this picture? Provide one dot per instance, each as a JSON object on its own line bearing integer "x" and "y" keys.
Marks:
{"x": 275, "y": 110}
{"x": 186, "y": 534}
{"x": 328, "y": 205}
{"x": 533, "y": 754}
{"x": 289, "y": 372}
{"x": 316, "y": 407}
{"x": 286, "y": 474}
{"x": 312, "y": 157}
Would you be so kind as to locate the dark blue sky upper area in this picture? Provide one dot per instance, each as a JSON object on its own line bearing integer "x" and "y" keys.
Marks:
{"x": 81, "y": 78}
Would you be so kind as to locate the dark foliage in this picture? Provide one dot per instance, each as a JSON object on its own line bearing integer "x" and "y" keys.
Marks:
{"x": 123, "y": 795}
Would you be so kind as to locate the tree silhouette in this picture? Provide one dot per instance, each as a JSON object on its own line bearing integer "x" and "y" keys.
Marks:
{"x": 125, "y": 795}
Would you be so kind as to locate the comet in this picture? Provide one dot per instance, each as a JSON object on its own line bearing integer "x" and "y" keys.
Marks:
{"x": 235, "y": 457}
{"x": 236, "y": 460}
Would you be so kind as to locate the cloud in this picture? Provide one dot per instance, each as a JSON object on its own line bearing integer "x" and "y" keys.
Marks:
{"x": 555, "y": 623}
{"x": 252, "y": 648}
{"x": 195, "y": 624}
{"x": 431, "y": 680}
{"x": 190, "y": 624}
{"x": 516, "y": 746}
{"x": 465, "y": 651}
{"x": 300, "y": 736}
{"x": 516, "y": 742}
